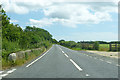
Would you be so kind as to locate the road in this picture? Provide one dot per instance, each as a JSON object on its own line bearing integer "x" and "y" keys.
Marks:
{"x": 61, "y": 62}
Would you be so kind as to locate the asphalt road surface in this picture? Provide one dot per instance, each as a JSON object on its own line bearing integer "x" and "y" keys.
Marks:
{"x": 61, "y": 62}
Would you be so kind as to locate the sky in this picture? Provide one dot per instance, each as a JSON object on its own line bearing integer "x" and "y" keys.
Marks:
{"x": 75, "y": 20}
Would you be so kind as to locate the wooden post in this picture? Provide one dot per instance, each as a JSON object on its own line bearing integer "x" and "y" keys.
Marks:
{"x": 110, "y": 47}
{"x": 116, "y": 46}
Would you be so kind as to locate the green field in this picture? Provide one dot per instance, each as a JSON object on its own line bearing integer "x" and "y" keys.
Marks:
{"x": 104, "y": 47}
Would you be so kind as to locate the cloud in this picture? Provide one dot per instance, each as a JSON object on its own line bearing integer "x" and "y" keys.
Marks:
{"x": 13, "y": 21}
{"x": 80, "y": 13}
{"x": 72, "y": 14}
{"x": 67, "y": 12}
{"x": 40, "y": 23}
{"x": 23, "y": 6}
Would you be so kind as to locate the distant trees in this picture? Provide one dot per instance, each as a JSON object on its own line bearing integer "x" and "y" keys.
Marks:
{"x": 90, "y": 45}
{"x": 69, "y": 44}
{"x": 54, "y": 41}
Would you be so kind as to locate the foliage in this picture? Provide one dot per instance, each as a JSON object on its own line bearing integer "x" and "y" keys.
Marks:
{"x": 96, "y": 45}
{"x": 14, "y": 38}
{"x": 54, "y": 41}
{"x": 88, "y": 45}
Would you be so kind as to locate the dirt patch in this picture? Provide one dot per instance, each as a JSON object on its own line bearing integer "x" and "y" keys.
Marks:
{"x": 103, "y": 53}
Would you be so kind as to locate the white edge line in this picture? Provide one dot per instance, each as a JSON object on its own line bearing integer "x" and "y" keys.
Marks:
{"x": 1, "y": 72}
{"x": 3, "y": 75}
{"x": 76, "y": 65}
{"x": 66, "y": 55}
{"x": 8, "y": 72}
{"x": 37, "y": 58}
{"x": 11, "y": 71}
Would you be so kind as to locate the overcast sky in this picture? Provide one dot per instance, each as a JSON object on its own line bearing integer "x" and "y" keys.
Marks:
{"x": 67, "y": 19}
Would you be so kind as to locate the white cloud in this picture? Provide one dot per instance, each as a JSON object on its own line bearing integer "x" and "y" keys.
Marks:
{"x": 14, "y": 21}
{"x": 40, "y": 23}
{"x": 23, "y": 6}
{"x": 66, "y": 12}
{"x": 73, "y": 14}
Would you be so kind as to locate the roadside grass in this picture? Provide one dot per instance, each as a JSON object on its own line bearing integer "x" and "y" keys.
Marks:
{"x": 77, "y": 49}
{"x": 102, "y": 47}
{"x": 6, "y": 64}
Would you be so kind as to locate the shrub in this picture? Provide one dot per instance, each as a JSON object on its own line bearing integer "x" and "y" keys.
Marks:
{"x": 96, "y": 45}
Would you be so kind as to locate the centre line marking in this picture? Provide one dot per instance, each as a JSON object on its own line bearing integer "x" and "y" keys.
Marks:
{"x": 117, "y": 65}
{"x": 76, "y": 65}
{"x": 95, "y": 58}
{"x": 38, "y": 58}
{"x": 62, "y": 51}
{"x": 87, "y": 75}
{"x": 66, "y": 55}
{"x": 101, "y": 60}
{"x": 108, "y": 62}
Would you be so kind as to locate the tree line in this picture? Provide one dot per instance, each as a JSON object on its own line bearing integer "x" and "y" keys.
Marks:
{"x": 81, "y": 45}
{"x": 87, "y": 45}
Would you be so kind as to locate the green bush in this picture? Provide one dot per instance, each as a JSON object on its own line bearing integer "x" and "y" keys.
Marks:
{"x": 26, "y": 56}
{"x": 96, "y": 45}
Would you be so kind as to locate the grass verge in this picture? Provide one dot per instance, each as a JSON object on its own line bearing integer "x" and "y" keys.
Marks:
{"x": 6, "y": 64}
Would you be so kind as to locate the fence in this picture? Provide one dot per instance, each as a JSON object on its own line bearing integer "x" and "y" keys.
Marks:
{"x": 114, "y": 47}
{"x": 111, "y": 47}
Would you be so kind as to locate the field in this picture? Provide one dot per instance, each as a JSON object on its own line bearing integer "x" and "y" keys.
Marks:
{"x": 104, "y": 47}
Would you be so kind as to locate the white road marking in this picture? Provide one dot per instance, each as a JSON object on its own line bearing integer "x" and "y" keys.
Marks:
{"x": 3, "y": 75}
{"x": 1, "y": 72}
{"x": 66, "y": 55}
{"x": 87, "y": 75}
{"x": 109, "y": 62}
{"x": 76, "y": 65}
{"x": 60, "y": 48}
{"x": 38, "y": 58}
{"x": 62, "y": 51}
{"x": 117, "y": 65}
{"x": 101, "y": 60}
{"x": 8, "y": 72}
{"x": 11, "y": 71}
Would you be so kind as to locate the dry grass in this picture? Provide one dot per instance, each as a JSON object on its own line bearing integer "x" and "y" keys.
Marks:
{"x": 104, "y": 53}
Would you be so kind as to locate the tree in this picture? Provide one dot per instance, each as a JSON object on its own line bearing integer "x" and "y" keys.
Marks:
{"x": 54, "y": 41}
{"x": 96, "y": 45}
